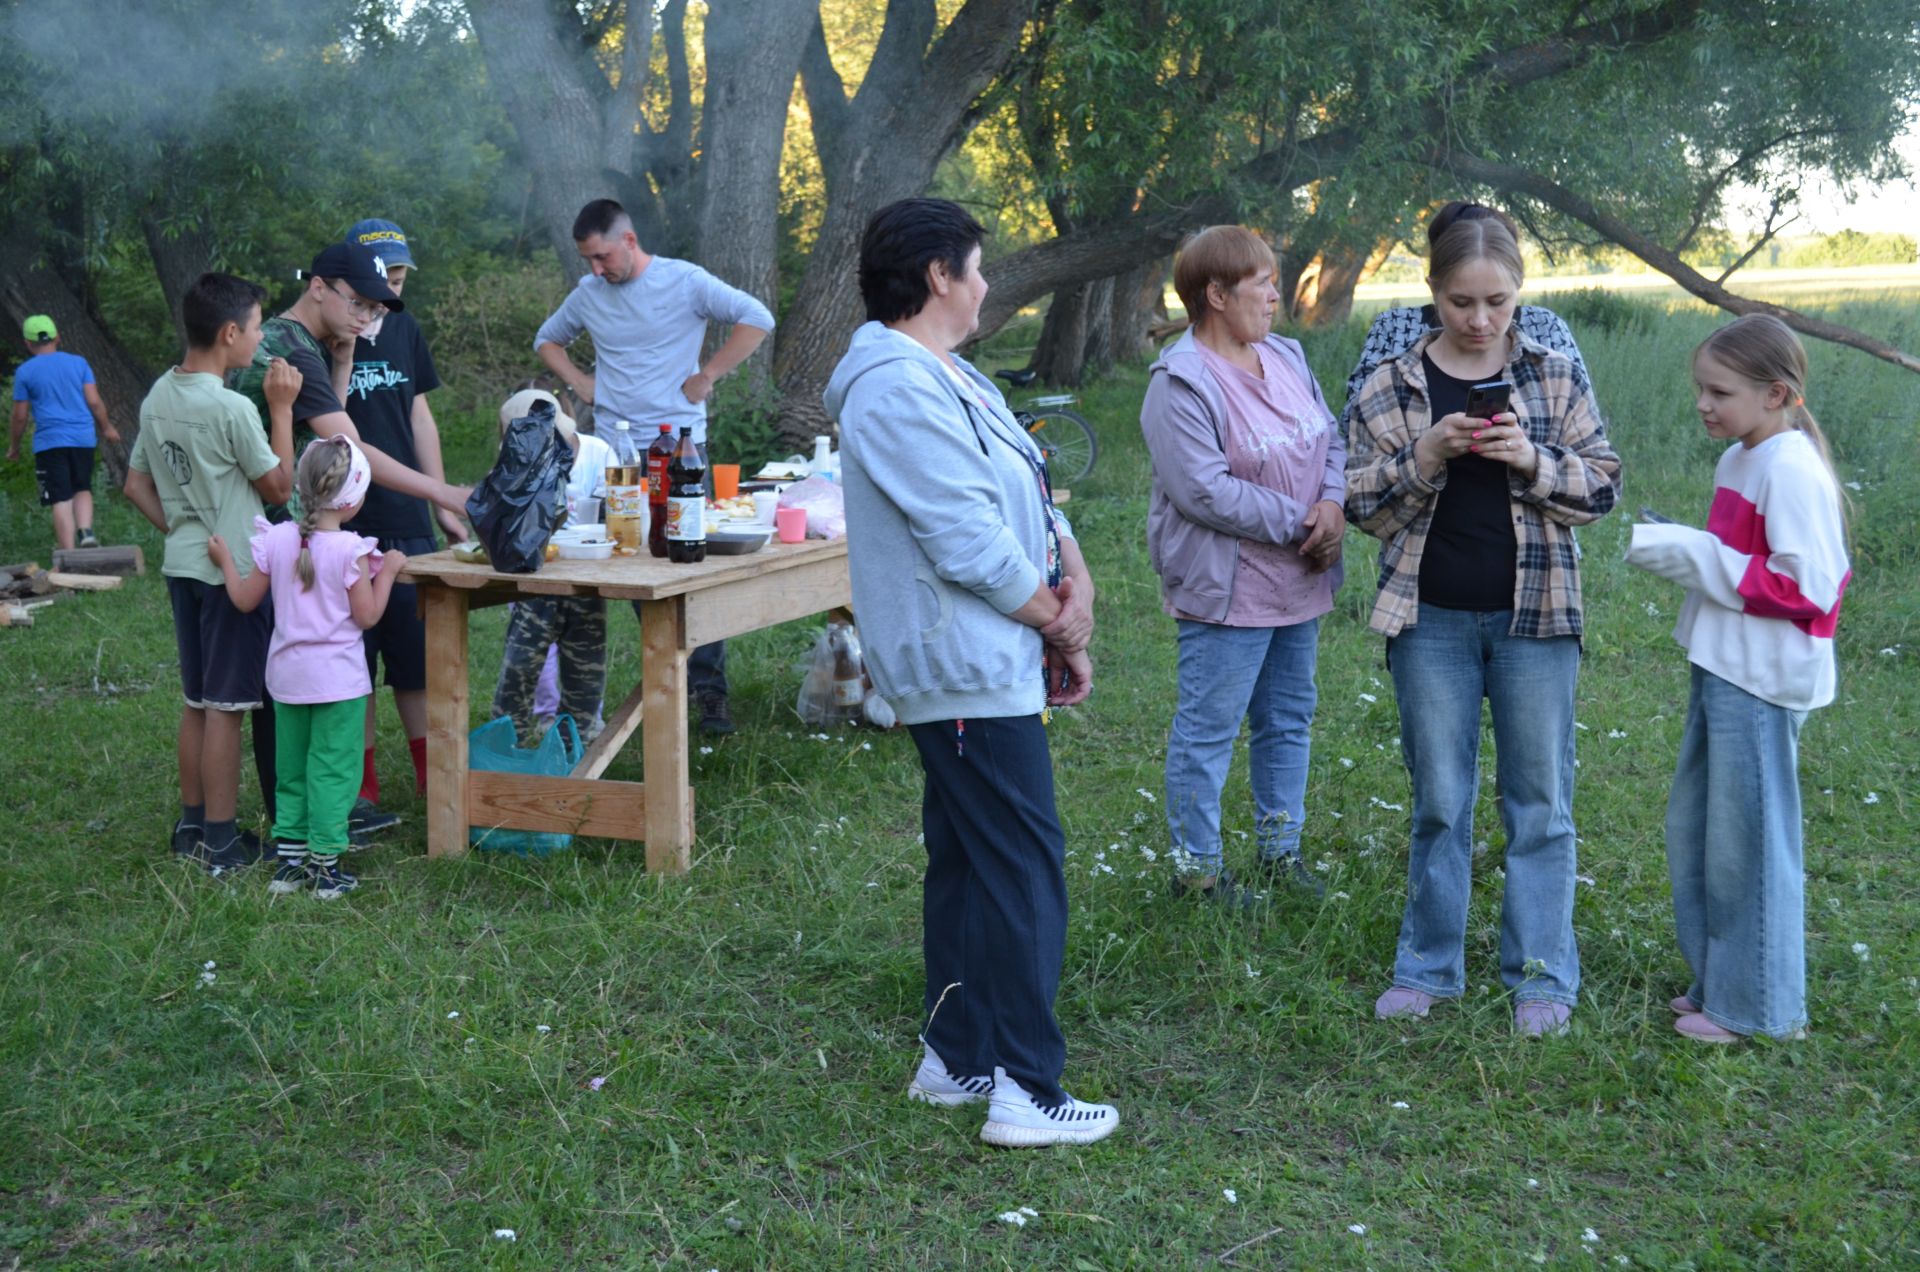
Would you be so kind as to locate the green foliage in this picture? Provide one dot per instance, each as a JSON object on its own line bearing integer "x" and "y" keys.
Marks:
{"x": 1848, "y": 247}
{"x": 1597, "y": 309}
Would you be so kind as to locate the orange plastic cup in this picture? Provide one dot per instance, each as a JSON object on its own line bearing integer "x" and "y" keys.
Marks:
{"x": 726, "y": 481}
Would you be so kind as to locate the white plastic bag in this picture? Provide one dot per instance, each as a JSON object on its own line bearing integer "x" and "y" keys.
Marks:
{"x": 834, "y": 686}
{"x": 825, "y": 504}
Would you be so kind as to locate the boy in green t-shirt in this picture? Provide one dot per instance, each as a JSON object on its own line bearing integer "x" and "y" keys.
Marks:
{"x": 202, "y": 466}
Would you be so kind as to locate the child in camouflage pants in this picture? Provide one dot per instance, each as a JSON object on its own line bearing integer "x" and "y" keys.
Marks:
{"x": 578, "y": 624}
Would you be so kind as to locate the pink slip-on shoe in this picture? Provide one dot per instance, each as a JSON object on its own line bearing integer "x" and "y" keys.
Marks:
{"x": 1683, "y": 1006}
{"x": 1700, "y": 1029}
{"x": 1536, "y": 1018}
{"x": 1399, "y": 1003}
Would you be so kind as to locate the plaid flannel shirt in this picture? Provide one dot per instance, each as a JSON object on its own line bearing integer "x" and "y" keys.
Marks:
{"x": 1577, "y": 481}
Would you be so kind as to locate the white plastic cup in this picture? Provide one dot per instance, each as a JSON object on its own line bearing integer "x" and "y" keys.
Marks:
{"x": 764, "y": 504}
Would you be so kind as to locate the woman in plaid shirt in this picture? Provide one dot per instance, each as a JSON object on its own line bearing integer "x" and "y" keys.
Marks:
{"x": 1480, "y": 598}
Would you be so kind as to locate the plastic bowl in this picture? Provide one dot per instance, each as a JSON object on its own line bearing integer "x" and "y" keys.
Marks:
{"x": 573, "y": 550}
{"x": 738, "y": 539}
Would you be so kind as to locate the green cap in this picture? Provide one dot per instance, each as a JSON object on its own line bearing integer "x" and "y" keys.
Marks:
{"x": 38, "y": 329}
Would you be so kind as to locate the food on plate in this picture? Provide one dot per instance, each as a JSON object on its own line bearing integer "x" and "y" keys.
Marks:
{"x": 738, "y": 508}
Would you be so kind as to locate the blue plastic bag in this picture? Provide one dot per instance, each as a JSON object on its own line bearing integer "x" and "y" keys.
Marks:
{"x": 495, "y": 748}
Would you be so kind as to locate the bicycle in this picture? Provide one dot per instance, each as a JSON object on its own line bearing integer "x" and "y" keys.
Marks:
{"x": 1065, "y": 438}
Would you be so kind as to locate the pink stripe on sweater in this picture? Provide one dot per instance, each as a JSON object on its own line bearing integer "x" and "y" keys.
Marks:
{"x": 1737, "y": 522}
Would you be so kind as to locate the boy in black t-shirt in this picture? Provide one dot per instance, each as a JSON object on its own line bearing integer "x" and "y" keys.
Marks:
{"x": 387, "y": 399}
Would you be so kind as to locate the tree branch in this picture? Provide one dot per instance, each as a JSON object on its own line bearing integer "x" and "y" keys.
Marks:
{"x": 1558, "y": 197}
{"x": 1543, "y": 59}
{"x": 1766, "y": 236}
{"x": 826, "y": 95}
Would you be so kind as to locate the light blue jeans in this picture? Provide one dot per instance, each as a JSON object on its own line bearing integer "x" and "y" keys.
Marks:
{"x": 1733, "y": 853}
{"x": 1227, "y": 674}
{"x": 1442, "y": 668}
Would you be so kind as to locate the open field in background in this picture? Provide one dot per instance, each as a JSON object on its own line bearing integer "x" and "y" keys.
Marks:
{"x": 1782, "y": 286}
{"x": 720, "y": 1080}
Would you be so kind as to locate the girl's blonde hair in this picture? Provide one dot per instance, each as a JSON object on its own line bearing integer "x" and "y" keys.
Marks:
{"x": 1763, "y": 349}
{"x": 318, "y": 477}
{"x": 1470, "y": 239}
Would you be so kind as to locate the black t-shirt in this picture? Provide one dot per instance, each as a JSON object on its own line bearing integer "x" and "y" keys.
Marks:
{"x": 388, "y": 373}
{"x": 1470, "y": 557}
{"x": 283, "y": 336}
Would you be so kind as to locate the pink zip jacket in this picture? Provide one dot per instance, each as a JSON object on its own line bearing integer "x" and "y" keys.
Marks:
{"x": 1197, "y": 512}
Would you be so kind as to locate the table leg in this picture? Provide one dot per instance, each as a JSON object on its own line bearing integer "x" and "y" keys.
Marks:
{"x": 663, "y": 723}
{"x": 447, "y": 719}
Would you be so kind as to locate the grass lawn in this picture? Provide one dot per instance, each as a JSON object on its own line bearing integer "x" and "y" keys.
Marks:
{"x": 707, "y": 1072}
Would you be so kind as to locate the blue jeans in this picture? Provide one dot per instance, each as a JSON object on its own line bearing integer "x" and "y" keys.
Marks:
{"x": 1265, "y": 675}
{"x": 1733, "y": 853}
{"x": 1442, "y": 667}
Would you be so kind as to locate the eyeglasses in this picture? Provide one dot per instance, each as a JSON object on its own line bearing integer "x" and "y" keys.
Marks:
{"x": 355, "y": 305}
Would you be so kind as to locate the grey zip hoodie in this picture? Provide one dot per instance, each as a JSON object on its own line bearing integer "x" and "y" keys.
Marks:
{"x": 946, "y": 531}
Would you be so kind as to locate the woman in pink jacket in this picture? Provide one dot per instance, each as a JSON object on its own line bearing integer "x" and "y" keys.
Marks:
{"x": 1244, "y": 530}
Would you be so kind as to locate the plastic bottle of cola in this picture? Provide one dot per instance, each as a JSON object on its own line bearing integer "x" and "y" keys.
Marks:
{"x": 687, "y": 502}
{"x": 659, "y": 455}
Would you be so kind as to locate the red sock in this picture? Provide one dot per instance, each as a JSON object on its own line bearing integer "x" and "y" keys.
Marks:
{"x": 369, "y": 779}
{"x": 418, "y": 746}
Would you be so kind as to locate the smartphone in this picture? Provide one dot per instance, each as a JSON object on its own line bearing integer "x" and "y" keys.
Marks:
{"x": 1484, "y": 401}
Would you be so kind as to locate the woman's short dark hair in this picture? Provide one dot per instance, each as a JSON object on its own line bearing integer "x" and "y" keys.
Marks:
{"x": 902, "y": 242}
{"x": 212, "y": 302}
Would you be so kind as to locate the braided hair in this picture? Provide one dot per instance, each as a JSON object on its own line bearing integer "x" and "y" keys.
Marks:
{"x": 322, "y": 471}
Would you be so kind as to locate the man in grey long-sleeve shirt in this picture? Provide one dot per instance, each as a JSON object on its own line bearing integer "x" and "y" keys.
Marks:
{"x": 648, "y": 316}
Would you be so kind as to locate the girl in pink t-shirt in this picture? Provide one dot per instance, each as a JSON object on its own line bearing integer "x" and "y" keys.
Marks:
{"x": 328, "y": 585}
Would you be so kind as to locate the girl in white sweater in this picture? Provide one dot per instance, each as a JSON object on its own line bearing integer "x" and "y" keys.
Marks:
{"x": 1764, "y": 582}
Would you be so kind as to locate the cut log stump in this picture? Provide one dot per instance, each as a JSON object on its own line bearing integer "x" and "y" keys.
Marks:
{"x": 119, "y": 560}
{"x": 83, "y": 582}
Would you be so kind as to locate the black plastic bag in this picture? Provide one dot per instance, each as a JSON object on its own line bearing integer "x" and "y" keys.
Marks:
{"x": 519, "y": 505}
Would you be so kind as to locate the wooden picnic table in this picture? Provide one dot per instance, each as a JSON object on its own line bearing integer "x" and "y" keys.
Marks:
{"x": 681, "y": 608}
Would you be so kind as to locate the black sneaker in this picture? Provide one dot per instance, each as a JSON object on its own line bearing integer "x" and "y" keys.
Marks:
{"x": 87, "y": 539}
{"x": 1290, "y": 874}
{"x": 186, "y": 839}
{"x": 238, "y": 853}
{"x": 291, "y": 875}
{"x": 715, "y": 716}
{"x": 1225, "y": 891}
{"x": 368, "y": 818}
{"x": 329, "y": 880}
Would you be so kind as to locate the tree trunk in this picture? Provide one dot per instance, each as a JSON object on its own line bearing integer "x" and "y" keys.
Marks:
{"x": 1139, "y": 300}
{"x": 179, "y": 258}
{"x": 753, "y": 56}
{"x": 1061, "y": 353}
{"x": 882, "y": 144}
{"x": 563, "y": 111}
{"x": 1328, "y": 300}
{"x": 27, "y": 287}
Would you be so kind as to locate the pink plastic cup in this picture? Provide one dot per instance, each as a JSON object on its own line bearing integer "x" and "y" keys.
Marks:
{"x": 790, "y": 524}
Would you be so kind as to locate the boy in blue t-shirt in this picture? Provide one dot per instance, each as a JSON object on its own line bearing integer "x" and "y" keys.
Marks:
{"x": 56, "y": 393}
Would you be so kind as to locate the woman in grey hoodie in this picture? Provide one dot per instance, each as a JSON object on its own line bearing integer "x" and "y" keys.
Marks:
{"x": 976, "y": 609}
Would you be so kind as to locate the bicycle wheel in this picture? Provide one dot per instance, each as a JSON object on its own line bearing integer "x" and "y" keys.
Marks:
{"x": 1066, "y": 439}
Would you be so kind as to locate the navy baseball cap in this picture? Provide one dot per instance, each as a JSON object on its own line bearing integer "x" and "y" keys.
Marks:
{"x": 388, "y": 240}
{"x": 360, "y": 268}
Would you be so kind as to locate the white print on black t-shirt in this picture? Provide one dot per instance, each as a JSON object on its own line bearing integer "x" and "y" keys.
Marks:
{"x": 371, "y": 376}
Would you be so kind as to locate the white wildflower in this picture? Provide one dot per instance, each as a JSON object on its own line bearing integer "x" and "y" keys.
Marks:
{"x": 706, "y": 750}
{"x": 1590, "y": 1237}
{"x": 1586, "y": 879}
{"x": 1146, "y": 852}
{"x": 1890, "y": 651}
{"x": 1616, "y": 733}
{"x": 1345, "y": 762}
{"x": 1532, "y": 1183}
{"x": 1583, "y": 728}
{"x": 1861, "y": 951}
{"x": 453, "y": 1015}
{"x": 1251, "y": 974}
{"x": 505, "y": 1234}
{"x": 1357, "y": 1229}
{"x": 1369, "y": 697}
{"x": 209, "y": 965}
{"x": 1145, "y": 794}
{"x": 1401, "y": 1104}
{"x": 1873, "y": 797}
{"x": 1013, "y": 1217}
{"x": 1377, "y": 802}
{"x": 1342, "y": 896}
{"x": 1233, "y": 1198}
{"x": 545, "y": 1029}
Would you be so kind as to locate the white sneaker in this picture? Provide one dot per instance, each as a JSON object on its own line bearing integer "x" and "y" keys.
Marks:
{"x": 1015, "y": 1121}
{"x": 934, "y": 1085}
